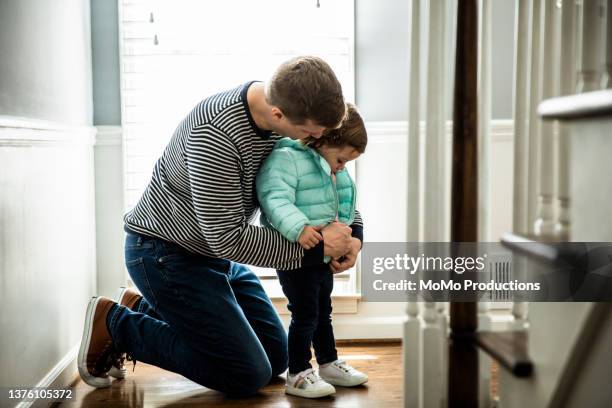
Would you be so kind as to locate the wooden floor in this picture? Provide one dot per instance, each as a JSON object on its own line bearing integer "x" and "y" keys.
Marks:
{"x": 150, "y": 386}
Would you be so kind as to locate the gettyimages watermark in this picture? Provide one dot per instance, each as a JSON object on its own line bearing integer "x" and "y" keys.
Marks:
{"x": 468, "y": 272}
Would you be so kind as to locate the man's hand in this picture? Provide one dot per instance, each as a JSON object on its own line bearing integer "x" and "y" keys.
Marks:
{"x": 310, "y": 237}
{"x": 336, "y": 239}
{"x": 349, "y": 259}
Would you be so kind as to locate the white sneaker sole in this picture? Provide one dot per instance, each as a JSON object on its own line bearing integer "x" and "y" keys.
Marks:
{"x": 98, "y": 382}
{"x": 117, "y": 373}
{"x": 342, "y": 383}
{"x": 308, "y": 394}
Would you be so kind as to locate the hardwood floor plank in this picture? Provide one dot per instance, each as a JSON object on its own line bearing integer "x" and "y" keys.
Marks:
{"x": 149, "y": 386}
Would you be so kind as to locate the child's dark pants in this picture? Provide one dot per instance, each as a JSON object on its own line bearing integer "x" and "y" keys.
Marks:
{"x": 309, "y": 290}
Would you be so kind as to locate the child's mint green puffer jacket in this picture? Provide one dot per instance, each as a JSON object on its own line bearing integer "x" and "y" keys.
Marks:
{"x": 295, "y": 189}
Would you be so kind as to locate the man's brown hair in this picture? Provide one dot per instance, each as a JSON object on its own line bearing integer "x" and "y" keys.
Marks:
{"x": 352, "y": 132}
{"x": 306, "y": 88}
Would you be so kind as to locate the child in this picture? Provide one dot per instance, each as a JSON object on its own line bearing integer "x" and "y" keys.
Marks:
{"x": 303, "y": 185}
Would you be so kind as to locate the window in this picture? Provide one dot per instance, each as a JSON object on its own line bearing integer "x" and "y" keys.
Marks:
{"x": 175, "y": 53}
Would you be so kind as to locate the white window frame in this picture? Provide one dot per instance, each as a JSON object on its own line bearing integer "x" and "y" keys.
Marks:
{"x": 346, "y": 291}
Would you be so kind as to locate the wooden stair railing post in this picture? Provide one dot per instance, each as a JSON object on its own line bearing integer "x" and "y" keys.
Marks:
{"x": 463, "y": 356}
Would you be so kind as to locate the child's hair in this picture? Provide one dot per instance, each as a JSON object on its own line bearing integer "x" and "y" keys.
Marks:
{"x": 352, "y": 132}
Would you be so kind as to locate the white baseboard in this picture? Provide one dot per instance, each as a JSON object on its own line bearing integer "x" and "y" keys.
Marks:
{"x": 392, "y": 327}
{"x": 60, "y": 376}
{"x": 369, "y": 328}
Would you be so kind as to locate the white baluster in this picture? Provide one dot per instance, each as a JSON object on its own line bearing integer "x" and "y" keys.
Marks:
{"x": 442, "y": 309}
{"x": 433, "y": 340}
{"x": 484, "y": 120}
{"x": 432, "y": 343}
{"x": 522, "y": 99}
{"x": 522, "y": 59}
{"x": 443, "y": 316}
{"x": 414, "y": 135}
{"x": 535, "y": 124}
{"x": 520, "y": 314}
{"x": 412, "y": 327}
{"x": 590, "y": 64}
{"x": 412, "y": 356}
{"x": 435, "y": 194}
{"x": 484, "y": 201}
{"x": 567, "y": 85}
{"x": 606, "y": 81}
{"x": 544, "y": 224}
{"x": 484, "y": 361}
{"x": 484, "y": 316}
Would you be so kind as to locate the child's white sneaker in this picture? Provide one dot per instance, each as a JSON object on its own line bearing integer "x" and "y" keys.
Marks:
{"x": 340, "y": 373}
{"x": 308, "y": 384}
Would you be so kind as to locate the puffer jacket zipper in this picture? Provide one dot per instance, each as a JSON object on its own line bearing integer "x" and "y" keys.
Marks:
{"x": 334, "y": 184}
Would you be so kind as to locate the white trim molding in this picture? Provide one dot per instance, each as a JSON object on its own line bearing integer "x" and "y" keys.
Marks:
{"x": 501, "y": 130}
{"x": 109, "y": 136}
{"x": 341, "y": 304}
{"x": 368, "y": 327}
{"x": 60, "y": 376}
{"x": 18, "y": 131}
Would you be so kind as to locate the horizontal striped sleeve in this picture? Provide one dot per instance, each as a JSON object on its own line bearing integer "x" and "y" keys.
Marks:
{"x": 357, "y": 226}
{"x": 215, "y": 173}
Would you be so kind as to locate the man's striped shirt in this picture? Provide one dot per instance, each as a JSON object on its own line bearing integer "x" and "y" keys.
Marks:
{"x": 202, "y": 191}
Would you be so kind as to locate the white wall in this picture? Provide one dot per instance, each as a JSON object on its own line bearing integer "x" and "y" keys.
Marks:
{"x": 47, "y": 216}
{"x": 382, "y": 45}
{"x": 47, "y": 245}
{"x": 108, "y": 148}
{"x": 105, "y": 61}
{"x": 382, "y": 180}
{"x": 108, "y": 158}
{"x": 45, "y": 68}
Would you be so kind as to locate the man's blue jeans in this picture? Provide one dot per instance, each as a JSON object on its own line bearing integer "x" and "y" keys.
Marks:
{"x": 205, "y": 318}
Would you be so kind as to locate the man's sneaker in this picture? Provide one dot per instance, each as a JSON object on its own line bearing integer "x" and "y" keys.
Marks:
{"x": 97, "y": 352}
{"x": 308, "y": 384}
{"x": 342, "y": 374}
{"x": 127, "y": 297}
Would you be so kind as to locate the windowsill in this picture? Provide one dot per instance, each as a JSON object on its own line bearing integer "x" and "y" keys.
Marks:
{"x": 341, "y": 304}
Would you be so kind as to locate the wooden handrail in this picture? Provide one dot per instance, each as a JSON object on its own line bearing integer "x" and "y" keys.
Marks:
{"x": 509, "y": 349}
{"x": 554, "y": 253}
